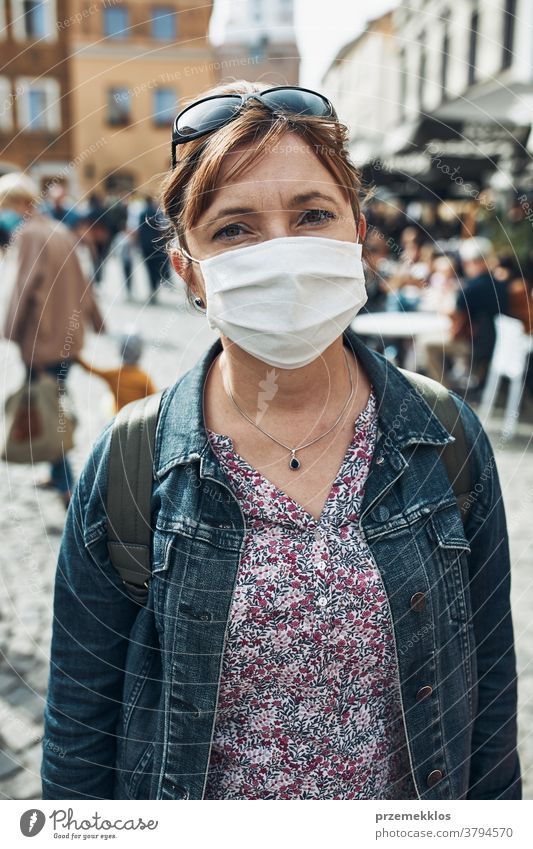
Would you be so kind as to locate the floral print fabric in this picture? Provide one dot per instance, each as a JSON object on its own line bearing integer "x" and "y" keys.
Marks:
{"x": 309, "y": 704}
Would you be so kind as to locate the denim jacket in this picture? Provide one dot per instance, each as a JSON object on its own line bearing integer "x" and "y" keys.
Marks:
{"x": 133, "y": 690}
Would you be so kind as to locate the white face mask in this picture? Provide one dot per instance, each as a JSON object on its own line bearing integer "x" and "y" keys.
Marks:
{"x": 285, "y": 300}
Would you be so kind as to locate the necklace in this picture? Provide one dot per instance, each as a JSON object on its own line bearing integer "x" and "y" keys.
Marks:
{"x": 294, "y": 462}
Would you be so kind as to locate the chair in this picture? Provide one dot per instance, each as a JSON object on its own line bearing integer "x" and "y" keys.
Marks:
{"x": 509, "y": 359}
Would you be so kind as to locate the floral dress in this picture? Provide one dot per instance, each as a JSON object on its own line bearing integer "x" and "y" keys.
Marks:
{"x": 309, "y": 704}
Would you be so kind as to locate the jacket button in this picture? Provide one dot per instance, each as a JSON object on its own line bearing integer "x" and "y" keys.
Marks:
{"x": 434, "y": 777}
{"x": 418, "y": 602}
{"x": 423, "y": 692}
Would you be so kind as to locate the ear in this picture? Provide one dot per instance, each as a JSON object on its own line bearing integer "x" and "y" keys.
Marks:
{"x": 361, "y": 230}
{"x": 179, "y": 262}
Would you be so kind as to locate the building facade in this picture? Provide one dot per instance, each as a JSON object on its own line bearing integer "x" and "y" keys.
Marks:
{"x": 35, "y": 114}
{"x": 455, "y": 92}
{"x": 89, "y": 88}
{"x": 258, "y": 43}
{"x": 362, "y": 82}
{"x": 132, "y": 65}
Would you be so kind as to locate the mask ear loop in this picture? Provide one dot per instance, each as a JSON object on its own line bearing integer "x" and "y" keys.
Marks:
{"x": 198, "y": 303}
{"x": 186, "y": 253}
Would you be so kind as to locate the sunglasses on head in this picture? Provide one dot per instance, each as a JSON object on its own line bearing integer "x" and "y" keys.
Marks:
{"x": 210, "y": 113}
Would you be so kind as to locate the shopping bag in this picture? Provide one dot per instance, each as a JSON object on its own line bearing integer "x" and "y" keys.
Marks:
{"x": 39, "y": 422}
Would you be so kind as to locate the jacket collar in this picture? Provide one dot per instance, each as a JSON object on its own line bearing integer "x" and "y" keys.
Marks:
{"x": 404, "y": 417}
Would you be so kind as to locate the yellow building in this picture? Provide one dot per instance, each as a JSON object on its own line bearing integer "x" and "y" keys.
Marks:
{"x": 131, "y": 65}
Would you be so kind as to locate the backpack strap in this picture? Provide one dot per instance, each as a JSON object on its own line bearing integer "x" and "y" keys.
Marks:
{"x": 129, "y": 491}
{"x": 454, "y": 455}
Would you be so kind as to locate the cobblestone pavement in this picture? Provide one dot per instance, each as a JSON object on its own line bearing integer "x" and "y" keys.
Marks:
{"x": 31, "y": 525}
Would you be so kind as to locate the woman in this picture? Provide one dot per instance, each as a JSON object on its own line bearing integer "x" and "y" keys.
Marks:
{"x": 50, "y": 301}
{"x": 318, "y": 624}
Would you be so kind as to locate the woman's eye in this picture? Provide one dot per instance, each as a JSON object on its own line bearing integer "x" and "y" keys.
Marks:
{"x": 230, "y": 231}
{"x": 316, "y": 216}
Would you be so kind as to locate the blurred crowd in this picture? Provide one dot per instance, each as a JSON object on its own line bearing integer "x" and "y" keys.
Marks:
{"x": 54, "y": 257}
{"x": 116, "y": 225}
{"x": 469, "y": 266}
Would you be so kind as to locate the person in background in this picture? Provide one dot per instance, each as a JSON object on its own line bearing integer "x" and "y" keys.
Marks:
{"x": 440, "y": 294}
{"x": 508, "y": 230}
{"x": 57, "y": 206}
{"x": 127, "y": 382}
{"x": 4, "y": 237}
{"x": 9, "y": 221}
{"x": 150, "y": 236}
{"x": 96, "y": 234}
{"x": 472, "y": 335}
{"x": 411, "y": 273}
{"x": 127, "y": 240}
{"x": 379, "y": 270}
{"x": 50, "y": 301}
{"x": 519, "y": 291}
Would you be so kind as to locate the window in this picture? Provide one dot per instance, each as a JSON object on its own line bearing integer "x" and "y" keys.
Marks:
{"x": 38, "y": 104}
{"x": 259, "y": 48}
{"x": 120, "y": 181}
{"x": 165, "y": 106}
{"x": 118, "y": 106}
{"x": 163, "y": 23}
{"x": 509, "y": 17}
{"x": 116, "y": 22}
{"x": 286, "y": 11}
{"x": 402, "y": 95}
{"x": 7, "y": 99}
{"x": 444, "y": 60}
{"x": 37, "y": 109}
{"x": 472, "y": 48}
{"x": 34, "y": 19}
{"x": 421, "y": 71}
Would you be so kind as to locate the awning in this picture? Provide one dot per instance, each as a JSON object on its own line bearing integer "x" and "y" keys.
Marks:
{"x": 444, "y": 159}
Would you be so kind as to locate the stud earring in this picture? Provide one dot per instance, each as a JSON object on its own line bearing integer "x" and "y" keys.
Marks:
{"x": 199, "y": 304}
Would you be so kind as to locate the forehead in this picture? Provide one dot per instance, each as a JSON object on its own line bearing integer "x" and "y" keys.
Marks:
{"x": 287, "y": 167}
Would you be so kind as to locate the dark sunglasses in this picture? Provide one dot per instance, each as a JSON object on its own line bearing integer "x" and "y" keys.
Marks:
{"x": 209, "y": 114}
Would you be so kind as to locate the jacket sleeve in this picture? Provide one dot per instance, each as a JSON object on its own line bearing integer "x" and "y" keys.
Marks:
{"x": 93, "y": 617}
{"x": 27, "y": 299}
{"x": 494, "y": 763}
{"x": 94, "y": 316}
{"x": 107, "y": 374}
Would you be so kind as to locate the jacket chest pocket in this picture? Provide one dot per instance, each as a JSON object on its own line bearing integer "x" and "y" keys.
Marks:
{"x": 449, "y": 555}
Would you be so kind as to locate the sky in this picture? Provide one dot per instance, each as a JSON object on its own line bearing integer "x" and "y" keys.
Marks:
{"x": 322, "y": 27}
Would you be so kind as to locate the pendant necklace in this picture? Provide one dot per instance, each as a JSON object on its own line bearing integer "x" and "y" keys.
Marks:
{"x": 294, "y": 462}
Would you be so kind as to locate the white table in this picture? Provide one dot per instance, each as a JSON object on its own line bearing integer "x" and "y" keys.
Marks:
{"x": 402, "y": 325}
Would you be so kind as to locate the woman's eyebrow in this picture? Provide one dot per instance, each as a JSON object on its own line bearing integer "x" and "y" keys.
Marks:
{"x": 296, "y": 200}
{"x": 230, "y": 210}
{"x": 305, "y": 197}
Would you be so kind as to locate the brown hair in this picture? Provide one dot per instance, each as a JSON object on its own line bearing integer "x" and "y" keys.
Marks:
{"x": 186, "y": 191}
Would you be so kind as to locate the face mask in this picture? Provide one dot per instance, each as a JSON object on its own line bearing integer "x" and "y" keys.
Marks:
{"x": 10, "y": 220}
{"x": 285, "y": 300}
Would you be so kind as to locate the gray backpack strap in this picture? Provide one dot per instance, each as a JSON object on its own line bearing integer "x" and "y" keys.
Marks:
{"x": 129, "y": 491}
{"x": 455, "y": 455}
